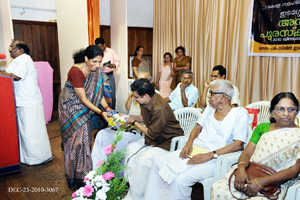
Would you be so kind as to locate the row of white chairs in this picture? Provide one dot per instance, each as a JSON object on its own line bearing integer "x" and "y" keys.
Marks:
{"x": 187, "y": 118}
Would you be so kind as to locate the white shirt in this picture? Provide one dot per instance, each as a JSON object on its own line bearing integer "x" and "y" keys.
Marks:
{"x": 234, "y": 100}
{"x": 191, "y": 93}
{"x": 217, "y": 134}
{"x": 27, "y": 92}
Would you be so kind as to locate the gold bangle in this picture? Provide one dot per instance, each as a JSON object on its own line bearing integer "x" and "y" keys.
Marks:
{"x": 243, "y": 163}
{"x": 258, "y": 184}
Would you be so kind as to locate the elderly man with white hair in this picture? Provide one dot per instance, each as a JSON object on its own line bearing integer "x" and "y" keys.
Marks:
{"x": 221, "y": 129}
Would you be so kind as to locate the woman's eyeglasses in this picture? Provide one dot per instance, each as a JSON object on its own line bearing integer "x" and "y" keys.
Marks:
{"x": 282, "y": 110}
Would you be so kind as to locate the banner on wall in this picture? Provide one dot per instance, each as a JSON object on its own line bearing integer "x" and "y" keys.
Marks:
{"x": 275, "y": 28}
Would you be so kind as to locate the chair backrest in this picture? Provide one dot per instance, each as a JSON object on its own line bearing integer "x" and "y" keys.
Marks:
{"x": 297, "y": 120}
{"x": 187, "y": 118}
{"x": 129, "y": 82}
{"x": 264, "y": 110}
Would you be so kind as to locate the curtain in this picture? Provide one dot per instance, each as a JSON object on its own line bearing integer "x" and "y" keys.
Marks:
{"x": 93, "y": 20}
{"x": 214, "y": 33}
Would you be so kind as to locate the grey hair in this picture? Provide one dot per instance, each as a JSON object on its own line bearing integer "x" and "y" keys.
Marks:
{"x": 224, "y": 86}
{"x": 185, "y": 71}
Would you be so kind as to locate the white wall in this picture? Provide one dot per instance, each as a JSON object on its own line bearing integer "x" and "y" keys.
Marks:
{"x": 35, "y": 10}
{"x": 140, "y": 12}
{"x": 119, "y": 43}
{"x": 6, "y": 32}
{"x": 72, "y": 28}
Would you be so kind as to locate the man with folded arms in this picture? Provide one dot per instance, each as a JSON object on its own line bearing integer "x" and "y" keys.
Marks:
{"x": 185, "y": 94}
{"x": 221, "y": 129}
{"x": 161, "y": 127}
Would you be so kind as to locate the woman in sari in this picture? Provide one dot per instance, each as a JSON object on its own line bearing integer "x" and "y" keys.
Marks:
{"x": 180, "y": 63}
{"x": 276, "y": 145}
{"x": 165, "y": 76}
{"x": 78, "y": 101}
{"x": 139, "y": 64}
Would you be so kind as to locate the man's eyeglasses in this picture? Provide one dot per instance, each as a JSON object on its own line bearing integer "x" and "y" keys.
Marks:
{"x": 212, "y": 93}
{"x": 282, "y": 110}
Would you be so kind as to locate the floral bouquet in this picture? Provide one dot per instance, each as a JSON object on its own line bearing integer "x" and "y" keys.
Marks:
{"x": 120, "y": 121}
{"x": 105, "y": 182}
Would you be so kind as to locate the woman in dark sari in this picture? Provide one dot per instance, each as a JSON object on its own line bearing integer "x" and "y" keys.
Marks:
{"x": 180, "y": 63}
{"x": 78, "y": 101}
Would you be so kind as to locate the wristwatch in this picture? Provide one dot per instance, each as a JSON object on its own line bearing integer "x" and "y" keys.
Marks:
{"x": 215, "y": 154}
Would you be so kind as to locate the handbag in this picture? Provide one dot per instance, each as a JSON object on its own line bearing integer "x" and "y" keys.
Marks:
{"x": 256, "y": 170}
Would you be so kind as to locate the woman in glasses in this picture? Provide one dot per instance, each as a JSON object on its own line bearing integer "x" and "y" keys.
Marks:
{"x": 275, "y": 144}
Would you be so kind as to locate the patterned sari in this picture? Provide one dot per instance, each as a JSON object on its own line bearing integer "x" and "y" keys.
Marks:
{"x": 76, "y": 126}
{"x": 277, "y": 149}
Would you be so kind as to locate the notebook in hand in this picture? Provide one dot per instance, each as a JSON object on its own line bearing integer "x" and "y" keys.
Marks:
{"x": 197, "y": 150}
{"x": 106, "y": 64}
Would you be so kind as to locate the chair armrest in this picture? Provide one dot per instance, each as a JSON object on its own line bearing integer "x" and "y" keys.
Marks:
{"x": 180, "y": 141}
{"x": 224, "y": 164}
{"x": 293, "y": 191}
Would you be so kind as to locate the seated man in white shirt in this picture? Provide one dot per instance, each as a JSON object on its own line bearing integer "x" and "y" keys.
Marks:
{"x": 221, "y": 129}
{"x": 185, "y": 94}
{"x": 218, "y": 72}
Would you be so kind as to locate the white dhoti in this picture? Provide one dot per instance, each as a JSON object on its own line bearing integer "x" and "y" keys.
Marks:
{"x": 180, "y": 187}
{"x": 105, "y": 137}
{"x": 34, "y": 141}
{"x": 139, "y": 162}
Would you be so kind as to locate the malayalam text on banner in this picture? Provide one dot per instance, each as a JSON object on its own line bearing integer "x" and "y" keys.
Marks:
{"x": 275, "y": 28}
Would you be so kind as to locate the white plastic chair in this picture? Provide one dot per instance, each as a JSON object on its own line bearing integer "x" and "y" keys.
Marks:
{"x": 297, "y": 120}
{"x": 129, "y": 82}
{"x": 187, "y": 118}
{"x": 264, "y": 110}
{"x": 293, "y": 191}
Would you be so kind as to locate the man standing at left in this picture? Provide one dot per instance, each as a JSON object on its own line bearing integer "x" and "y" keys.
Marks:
{"x": 110, "y": 63}
{"x": 34, "y": 141}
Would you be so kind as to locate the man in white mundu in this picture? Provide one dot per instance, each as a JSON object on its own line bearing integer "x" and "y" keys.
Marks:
{"x": 161, "y": 127}
{"x": 34, "y": 142}
{"x": 221, "y": 129}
